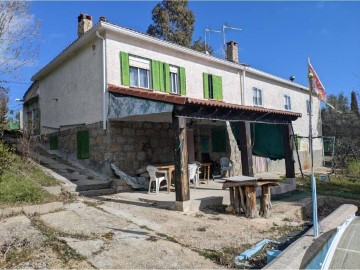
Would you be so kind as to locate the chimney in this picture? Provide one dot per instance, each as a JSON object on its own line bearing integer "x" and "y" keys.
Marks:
{"x": 232, "y": 53}
{"x": 84, "y": 24}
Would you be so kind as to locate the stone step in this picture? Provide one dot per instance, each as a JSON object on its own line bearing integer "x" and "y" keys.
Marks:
{"x": 96, "y": 192}
{"x": 91, "y": 185}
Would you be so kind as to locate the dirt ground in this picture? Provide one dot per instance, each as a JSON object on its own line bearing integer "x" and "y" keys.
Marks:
{"x": 114, "y": 233}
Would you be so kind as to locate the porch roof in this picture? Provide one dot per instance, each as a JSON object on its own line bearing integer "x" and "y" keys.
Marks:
{"x": 209, "y": 109}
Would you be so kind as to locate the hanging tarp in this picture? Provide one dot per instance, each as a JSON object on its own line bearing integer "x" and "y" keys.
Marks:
{"x": 267, "y": 140}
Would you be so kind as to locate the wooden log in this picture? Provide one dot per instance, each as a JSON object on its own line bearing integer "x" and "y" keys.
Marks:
{"x": 242, "y": 199}
{"x": 250, "y": 194}
{"x": 232, "y": 201}
{"x": 237, "y": 206}
{"x": 182, "y": 190}
{"x": 265, "y": 201}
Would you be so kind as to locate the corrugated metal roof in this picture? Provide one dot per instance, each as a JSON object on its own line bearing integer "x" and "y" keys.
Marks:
{"x": 181, "y": 100}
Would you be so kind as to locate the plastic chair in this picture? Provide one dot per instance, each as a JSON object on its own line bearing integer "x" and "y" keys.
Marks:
{"x": 153, "y": 171}
{"x": 194, "y": 174}
{"x": 226, "y": 165}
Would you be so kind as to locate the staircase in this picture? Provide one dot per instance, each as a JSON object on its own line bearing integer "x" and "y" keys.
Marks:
{"x": 87, "y": 184}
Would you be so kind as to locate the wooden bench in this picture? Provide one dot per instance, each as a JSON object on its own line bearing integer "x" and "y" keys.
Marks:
{"x": 243, "y": 194}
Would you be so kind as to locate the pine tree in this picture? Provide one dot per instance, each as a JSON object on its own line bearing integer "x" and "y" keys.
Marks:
{"x": 354, "y": 104}
{"x": 174, "y": 22}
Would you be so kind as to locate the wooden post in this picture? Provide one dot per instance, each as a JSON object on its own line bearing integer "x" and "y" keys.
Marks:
{"x": 245, "y": 148}
{"x": 250, "y": 194}
{"x": 289, "y": 148}
{"x": 181, "y": 160}
{"x": 265, "y": 201}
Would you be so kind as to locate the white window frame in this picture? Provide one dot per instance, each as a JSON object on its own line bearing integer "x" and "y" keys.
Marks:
{"x": 287, "y": 102}
{"x": 140, "y": 63}
{"x": 257, "y": 97}
{"x": 174, "y": 84}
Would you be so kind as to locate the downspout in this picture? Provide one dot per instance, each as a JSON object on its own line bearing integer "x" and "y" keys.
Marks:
{"x": 104, "y": 78}
{"x": 243, "y": 74}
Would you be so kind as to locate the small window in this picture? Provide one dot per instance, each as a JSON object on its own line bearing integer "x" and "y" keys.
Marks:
{"x": 287, "y": 102}
{"x": 211, "y": 86}
{"x": 83, "y": 144}
{"x": 174, "y": 80}
{"x": 139, "y": 72}
{"x": 257, "y": 97}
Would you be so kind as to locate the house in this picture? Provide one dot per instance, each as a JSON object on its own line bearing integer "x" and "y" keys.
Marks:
{"x": 115, "y": 95}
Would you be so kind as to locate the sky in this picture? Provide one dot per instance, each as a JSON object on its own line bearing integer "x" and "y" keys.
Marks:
{"x": 276, "y": 37}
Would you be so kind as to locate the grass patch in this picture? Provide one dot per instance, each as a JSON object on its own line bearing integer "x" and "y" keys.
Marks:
{"x": 21, "y": 184}
{"x": 15, "y": 257}
{"x": 224, "y": 256}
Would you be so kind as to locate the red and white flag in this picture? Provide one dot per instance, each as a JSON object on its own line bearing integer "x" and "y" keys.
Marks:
{"x": 317, "y": 85}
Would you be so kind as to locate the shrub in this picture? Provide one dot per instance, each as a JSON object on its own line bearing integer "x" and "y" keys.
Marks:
{"x": 353, "y": 169}
{"x": 6, "y": 158}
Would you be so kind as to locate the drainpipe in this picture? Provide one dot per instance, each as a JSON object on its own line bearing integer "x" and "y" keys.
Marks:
{"x": 104, "y": 78}
{"x": 242, "y": 76}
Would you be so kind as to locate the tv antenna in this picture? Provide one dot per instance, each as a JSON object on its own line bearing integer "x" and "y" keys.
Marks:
{"x": 209, "y": 30}
{"x": 224, "y": 27}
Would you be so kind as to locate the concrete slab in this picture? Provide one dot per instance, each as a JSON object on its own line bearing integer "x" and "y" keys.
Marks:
{"x": 55, "y": 190}
{"x": 31, "y": 209}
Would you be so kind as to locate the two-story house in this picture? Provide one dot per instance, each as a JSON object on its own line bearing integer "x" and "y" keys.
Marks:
{"x": 114, "y": 95}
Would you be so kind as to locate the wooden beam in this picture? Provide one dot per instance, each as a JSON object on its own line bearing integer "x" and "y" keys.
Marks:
{"x": 289, "y": 148}
{"x": 182, "y": 191}
{"x": 245, "y": 148}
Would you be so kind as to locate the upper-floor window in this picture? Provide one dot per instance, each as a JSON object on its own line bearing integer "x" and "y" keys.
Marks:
{"x": 212, "y": 86}
{"x": 287, "y": 102}
{"x": 139, "y": 72}
{"x": 174, "y": 80}
{"x": 257, "y": 97}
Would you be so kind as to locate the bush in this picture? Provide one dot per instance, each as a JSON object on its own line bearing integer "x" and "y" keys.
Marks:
{"x": 6, "y": 158}
{"x": 353, "y": 169}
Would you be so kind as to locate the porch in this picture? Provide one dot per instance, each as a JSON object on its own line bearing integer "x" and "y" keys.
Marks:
{"x": 189, "y": 116}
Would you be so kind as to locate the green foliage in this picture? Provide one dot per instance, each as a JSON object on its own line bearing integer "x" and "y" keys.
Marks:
{"x": 4, "y": 101}
{"x": 6, "y": 158}
{"x": 174, "y": 22}
{"x": 200, "y": 46}
{"x": 354, "y": 104}
{"x": 353, "y": 169}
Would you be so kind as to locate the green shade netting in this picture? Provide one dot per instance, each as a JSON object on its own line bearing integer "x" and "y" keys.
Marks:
{"x": 267, "y": 139}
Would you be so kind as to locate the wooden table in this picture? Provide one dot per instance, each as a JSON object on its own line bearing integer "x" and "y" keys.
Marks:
{"x": 243, "y": 194}
{"x": 206, "y": 166}
{"x": 169, "y": 168}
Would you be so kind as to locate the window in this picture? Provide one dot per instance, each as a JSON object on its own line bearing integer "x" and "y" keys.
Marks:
{"x": 212, "y": 86}
{"x": 83, "y": 144}
{"x": 287, "y": 102}
{"x": 139, "y": 72}
{"x": 174, "y": 80}
{"x": 54, "y": 142}
{"x": 257, "y": 97}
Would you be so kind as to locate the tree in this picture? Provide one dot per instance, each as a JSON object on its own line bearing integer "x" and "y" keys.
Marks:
{"x": 354, "y": 104}
{"x": 19, "y": 33}
{"x": 4, "y": 101}
{"x": 174, "y": 22}
{"x": 344, "y": 126}
{"x": 199, "y": 45}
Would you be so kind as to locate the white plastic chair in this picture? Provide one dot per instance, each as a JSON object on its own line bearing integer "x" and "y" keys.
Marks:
{"x": 153, "y": 171}
{"x": 194, "y": 174}
{"x": 226, "y": 165}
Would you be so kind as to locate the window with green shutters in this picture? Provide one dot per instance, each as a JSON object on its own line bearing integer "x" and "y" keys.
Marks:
{"x": 161, "y": 78}
{"x": 218, "y": 139}
{"x": 54, "y": 142}
{"x": 212, "y": 86}
{"x": 83, "y": 144}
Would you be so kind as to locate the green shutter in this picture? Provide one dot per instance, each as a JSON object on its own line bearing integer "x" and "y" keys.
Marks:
{"x": 155, "y": 75}
{"x": 218, "y": 139}
{"x": 206, "y": 85}
{"x": 167, "y": 77}
{"x": 54, "y": 143}
{"x": 161, "y": 77}
{"x": 83, "y": 144}
{"x": 217, "y": 87}
{"x": 125, "y": 69}
{"x": 182, "y": 81}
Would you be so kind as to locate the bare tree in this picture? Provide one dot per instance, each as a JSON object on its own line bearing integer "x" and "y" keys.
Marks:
{"x": 4, "y": 101}
{"x": 19, "y": 34}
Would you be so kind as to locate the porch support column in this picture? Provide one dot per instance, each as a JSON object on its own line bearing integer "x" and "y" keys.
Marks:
{"x": 289, "y": 148}
{"x": 181, "y": 163}
{"x": 245, "y": 148}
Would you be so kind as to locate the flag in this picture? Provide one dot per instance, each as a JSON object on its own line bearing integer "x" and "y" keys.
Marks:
{"x": 317, "y": 85}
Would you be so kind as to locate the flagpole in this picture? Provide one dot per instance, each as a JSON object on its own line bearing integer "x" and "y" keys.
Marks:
{"x": 313, "y": 181}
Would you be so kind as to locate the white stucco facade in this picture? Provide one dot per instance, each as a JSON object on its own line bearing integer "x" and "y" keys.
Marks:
{"x": 70, "y": 87}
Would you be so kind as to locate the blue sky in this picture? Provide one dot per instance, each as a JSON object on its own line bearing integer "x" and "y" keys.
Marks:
{"x": 276, "y": 37}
